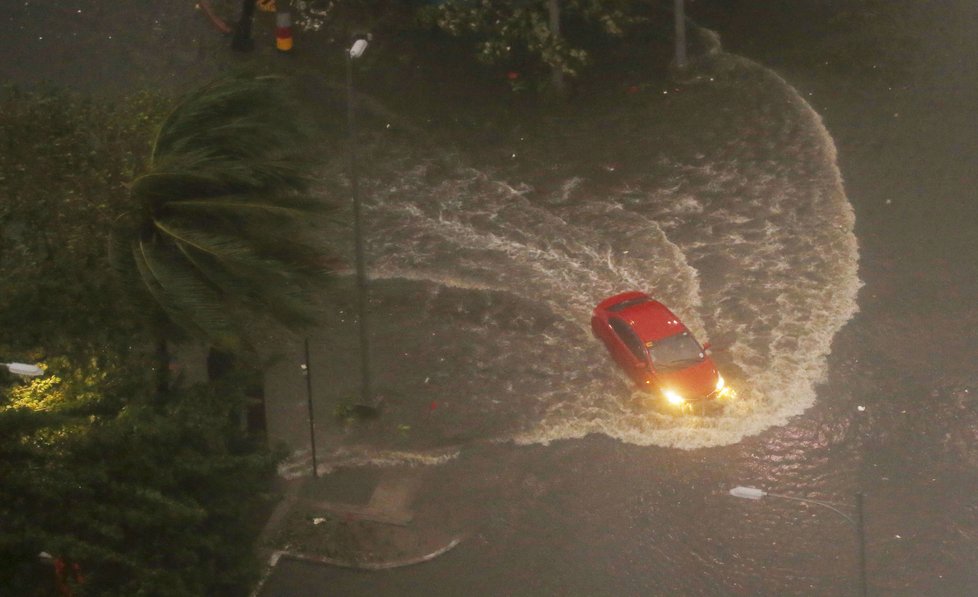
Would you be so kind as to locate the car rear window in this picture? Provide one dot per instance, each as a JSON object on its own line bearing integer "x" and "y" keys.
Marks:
{"x": 629, "y": 303}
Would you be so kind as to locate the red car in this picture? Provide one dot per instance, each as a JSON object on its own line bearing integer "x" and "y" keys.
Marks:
{"x": 656, "y": 350}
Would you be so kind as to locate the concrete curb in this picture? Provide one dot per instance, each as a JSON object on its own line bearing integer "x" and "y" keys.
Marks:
{"x": 400, "y": 563}
{"x": 275, "y": 556}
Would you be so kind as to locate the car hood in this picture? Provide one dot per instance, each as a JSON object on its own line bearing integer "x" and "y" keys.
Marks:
{"x": 693, "y": 382}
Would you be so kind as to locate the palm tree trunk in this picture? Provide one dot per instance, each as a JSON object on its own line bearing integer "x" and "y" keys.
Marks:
{"x": 224, "y": 365}
{"x": 162, "y": 368}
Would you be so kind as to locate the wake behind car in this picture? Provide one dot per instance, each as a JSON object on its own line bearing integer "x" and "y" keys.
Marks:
{"x": 656, "y": 350}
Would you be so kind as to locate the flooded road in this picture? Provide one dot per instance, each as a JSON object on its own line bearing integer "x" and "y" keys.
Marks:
{"x": 570, "y": 484}
{"x": 742, "y": 241}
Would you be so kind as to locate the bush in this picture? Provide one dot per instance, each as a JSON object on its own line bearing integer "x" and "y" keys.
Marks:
{"x": 146, "y": 494}
{"x": 64, "y": 164}
{"x": 148, "y": 500}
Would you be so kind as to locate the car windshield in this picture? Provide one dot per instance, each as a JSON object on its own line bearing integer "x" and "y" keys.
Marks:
{"x": 629, "y": 303}
{"x": 675, "y": 352}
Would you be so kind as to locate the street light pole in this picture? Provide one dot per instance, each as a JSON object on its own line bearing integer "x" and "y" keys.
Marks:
{"x": 753, "y": 493}
{"x": 357, "y": 50}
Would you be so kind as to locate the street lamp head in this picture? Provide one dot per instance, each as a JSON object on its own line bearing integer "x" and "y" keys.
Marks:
{"x": 24, "y": 369}
{"x": 359, "y": 47}
{"x": 748, "y": 493}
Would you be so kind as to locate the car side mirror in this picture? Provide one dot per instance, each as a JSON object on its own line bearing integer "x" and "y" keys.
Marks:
{"x": 707, "y": 346}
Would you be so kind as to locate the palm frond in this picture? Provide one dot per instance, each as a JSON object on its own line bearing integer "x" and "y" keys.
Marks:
{"x": 220, "y": 247}
{"x": 290, "y": 207}
{"x": 202, "y": 176}
{"x": 284, "y": 300}
{"x": 276, "y": 279}
{"x": 257, "y": 110}
{"x": 220, "y": 236}
{"x": 153, "y": 287}
{"x": 189, "y": 302}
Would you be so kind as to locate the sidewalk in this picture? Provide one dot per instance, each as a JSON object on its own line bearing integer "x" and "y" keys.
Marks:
{"x": 363, "y": 519}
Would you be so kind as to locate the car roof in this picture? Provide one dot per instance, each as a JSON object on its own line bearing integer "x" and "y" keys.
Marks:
{"x": 651, "y": 320}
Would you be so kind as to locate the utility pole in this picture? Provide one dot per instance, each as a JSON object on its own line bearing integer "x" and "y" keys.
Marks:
{"x": 242, "y": 41}
{"x": 680, "y": 35}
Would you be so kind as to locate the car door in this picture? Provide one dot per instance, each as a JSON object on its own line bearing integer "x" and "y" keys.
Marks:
{"x": 629, "y": 351}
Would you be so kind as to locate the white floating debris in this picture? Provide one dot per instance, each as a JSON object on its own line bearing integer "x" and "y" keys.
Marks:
{"x": 860, "y": 408}
{"x": 898, "y": 536}
{"x": 889, "y": 201}
{"x": 318, "y": 520}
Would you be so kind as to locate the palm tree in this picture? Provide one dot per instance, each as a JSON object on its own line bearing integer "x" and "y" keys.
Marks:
{"x": 218, "y": 238}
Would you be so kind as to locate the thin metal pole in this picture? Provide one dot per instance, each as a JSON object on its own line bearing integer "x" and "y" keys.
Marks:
{"x": 860, "y": 531}
{"x": 680, "y": 34}
{"x": 358, "y": 236}
{"x": 312, "y": 419}
{"x": 241, "y": 40}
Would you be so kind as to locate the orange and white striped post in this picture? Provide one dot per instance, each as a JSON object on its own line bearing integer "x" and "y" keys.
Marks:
{"x": 283, "y": 31}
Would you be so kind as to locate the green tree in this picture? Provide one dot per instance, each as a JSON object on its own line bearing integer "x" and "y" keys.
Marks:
{"x": 219, "y": 238}
{"x": 149, "y": 497}
{"x": 64, "y": 166}
{"x": 146, "y": 500}
{"x": 534, "y": 31}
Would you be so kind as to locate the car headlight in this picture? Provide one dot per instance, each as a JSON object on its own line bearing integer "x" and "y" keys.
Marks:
{"x": 673, "y": 397}
{"x": 723, "y": 390}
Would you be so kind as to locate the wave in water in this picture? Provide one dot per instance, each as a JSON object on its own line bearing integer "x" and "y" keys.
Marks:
{"x": 749, "y": 240}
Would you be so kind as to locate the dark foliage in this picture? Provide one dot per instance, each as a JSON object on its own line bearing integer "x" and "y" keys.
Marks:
{"x": 64, "y": 163}
{"x": 147, "y": 501}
